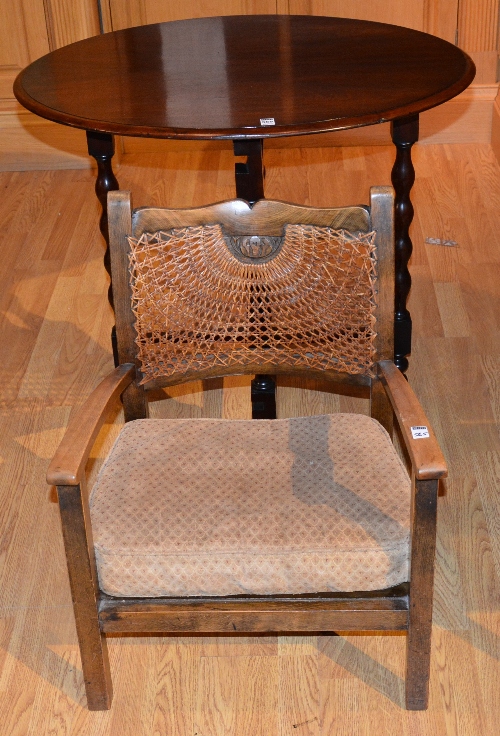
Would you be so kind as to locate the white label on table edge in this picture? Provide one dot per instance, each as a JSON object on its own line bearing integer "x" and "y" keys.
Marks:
{"x": 419, "y": 433}
{"x": 267, "y": 121}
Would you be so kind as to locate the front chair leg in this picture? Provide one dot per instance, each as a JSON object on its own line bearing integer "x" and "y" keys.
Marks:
{"x": 418, "y": 647}
{"x": 83, "y": 581}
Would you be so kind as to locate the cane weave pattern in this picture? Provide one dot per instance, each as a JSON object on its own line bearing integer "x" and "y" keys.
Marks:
{"x": 195, "y": 507}
{"x": 197, "y": 306}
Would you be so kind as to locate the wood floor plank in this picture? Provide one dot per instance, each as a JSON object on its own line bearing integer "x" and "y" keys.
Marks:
{"x": 298, "y": 694}
{"x": 177, "y": 672}
{"x": 237, "y": 695}
{"x": 452, "y": 311}
{"x": 423, "y": 303}
{"x": 297, "y": 397}
{"x": 464, "y": 709}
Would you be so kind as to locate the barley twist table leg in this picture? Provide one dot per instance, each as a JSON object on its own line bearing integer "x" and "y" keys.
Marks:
{"x": 404, "y": 135}
{"x": 101, "y": 146}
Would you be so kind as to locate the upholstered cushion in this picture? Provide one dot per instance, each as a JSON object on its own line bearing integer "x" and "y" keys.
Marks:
{"x": 193, "y": 507}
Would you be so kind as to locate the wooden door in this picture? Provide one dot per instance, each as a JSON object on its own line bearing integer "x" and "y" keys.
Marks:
{"x": 29, "y": 29}
{"x": 23, "y": 38}
{"x": 432, "y": 16}
{"x": 139, "y": 12}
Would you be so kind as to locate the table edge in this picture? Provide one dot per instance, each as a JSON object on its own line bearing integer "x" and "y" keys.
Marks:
{"x": 282, "y": 131}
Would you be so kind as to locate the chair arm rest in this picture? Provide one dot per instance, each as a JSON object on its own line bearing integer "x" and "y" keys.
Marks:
{"x": 71, "y": 457}
{"x": 425, "y": 454}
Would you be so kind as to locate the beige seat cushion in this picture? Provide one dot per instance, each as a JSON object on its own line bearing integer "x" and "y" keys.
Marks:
{"x": 205, "y": 507}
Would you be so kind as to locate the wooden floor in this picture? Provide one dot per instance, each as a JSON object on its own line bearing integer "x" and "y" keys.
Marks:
{"x": 55, "y": 338}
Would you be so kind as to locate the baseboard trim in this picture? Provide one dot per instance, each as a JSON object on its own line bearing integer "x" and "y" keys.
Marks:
{"x": 29, "y": 142}
{"x": 495, "y": 128}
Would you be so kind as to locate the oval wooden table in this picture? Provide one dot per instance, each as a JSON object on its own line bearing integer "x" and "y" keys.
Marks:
{"x": 248, "y": 78}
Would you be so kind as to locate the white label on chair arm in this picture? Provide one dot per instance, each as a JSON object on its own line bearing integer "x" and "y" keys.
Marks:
{"x": 418, "y": 433}
{"x": 267, "y": 121}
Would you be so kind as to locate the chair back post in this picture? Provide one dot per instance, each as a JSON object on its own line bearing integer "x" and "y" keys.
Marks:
{"x": 120, "y": 228}
{"x": 382, "y": 216}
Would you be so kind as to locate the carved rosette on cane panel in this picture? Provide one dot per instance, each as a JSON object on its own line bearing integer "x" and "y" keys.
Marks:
{"x": 404, "y": 135}
{"x": 254, "y": 248}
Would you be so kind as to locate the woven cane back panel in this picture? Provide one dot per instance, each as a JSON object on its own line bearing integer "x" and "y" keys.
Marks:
{"x": 199, "y": 305}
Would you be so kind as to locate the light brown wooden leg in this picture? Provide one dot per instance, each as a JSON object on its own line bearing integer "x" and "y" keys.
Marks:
{"x": 418, "y": 648}
{"x": 135, "y": 403}
{"x": 83, "y": 581}
{"x": 381, "y": 408}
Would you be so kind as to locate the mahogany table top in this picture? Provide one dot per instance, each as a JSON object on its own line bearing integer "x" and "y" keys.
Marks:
{"x": 223, "y": 77}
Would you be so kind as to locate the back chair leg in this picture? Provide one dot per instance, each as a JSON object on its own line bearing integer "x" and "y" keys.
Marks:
{"x": 418, "y": 648}
{"x": 83, "y": 581}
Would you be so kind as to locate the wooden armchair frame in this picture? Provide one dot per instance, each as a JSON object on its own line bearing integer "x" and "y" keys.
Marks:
{"x": 407, "y": 607}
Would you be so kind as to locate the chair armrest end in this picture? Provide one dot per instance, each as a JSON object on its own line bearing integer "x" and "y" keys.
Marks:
{"x": 71, "y": 457}
{"x": 425, "y": 454}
